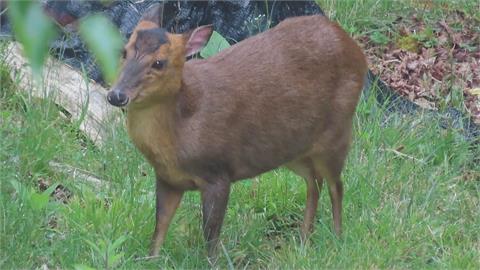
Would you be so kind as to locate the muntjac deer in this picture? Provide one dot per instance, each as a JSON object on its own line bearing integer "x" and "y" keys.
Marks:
{"x": 285, "y": 97}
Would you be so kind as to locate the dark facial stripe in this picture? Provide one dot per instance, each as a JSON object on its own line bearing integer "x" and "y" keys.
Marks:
{"x": 148, "y": 41}
{"x": 131, "y": 75}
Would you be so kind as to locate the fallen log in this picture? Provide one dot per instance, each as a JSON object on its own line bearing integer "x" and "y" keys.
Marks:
{"x": 81, "y": 97}
{"x": 77, "y": 173}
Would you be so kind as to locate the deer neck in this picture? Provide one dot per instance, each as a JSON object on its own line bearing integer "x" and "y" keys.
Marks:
{"x": 152, "y": 130}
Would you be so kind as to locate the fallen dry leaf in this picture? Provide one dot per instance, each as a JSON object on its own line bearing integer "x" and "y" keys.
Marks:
{"x": 474, "y": 91}
{"x": 426, "y": 73}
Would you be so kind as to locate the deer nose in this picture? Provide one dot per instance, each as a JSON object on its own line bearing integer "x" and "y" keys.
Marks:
{"x": 117, "y": 98}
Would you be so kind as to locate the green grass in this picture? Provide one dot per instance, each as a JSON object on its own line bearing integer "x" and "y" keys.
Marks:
{"x": 417, "y": 209}
{"x": 412, "y": 196}
{"x": 368, "y": 16}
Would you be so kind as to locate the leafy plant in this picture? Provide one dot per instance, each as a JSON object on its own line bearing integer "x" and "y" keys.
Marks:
{"x": 379, "y": 38}
{"x": 107, "y": 251}
{"x": 105, "y": 42}
{"x": 216, "y": 44}
{"x": 37, "y": 201}
{"x": 426, "y": 37}
{"x": 33, "y": 29}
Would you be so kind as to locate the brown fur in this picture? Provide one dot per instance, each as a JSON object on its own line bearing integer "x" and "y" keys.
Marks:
{"x": 285, "y": 97}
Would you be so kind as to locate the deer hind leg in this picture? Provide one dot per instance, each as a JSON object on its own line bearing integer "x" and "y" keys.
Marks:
{"x": 314, "y": 181}
{"x": 331, "y": 168}
{"x": 214, "y": 204}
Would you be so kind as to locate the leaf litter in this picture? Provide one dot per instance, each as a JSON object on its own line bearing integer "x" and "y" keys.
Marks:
{"x": 431, "y": 64}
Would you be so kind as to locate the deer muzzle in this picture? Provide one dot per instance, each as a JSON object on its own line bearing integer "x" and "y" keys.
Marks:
{"x": 117, "y": 98}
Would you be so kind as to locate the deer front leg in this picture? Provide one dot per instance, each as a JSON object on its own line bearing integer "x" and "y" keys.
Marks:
{"x": 214, "y": 205}
{"x": 167, "y": 203}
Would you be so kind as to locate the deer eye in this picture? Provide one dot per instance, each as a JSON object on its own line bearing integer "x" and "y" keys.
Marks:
{"x": 159, "y": 64}
{"x": 124, "y": 54}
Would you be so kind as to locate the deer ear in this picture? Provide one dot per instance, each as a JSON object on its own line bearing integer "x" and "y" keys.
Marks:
{"x": 154, "y": 14}
{"x": 197, "y": 39}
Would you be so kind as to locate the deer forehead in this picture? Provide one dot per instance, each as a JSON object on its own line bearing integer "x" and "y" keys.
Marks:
{"x": 147, "y": 38}
{"x": 148, "y": 41}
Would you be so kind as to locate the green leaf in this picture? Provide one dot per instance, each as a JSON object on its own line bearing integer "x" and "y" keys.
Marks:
{"x": 379, "y": 38}
{"x": 33, "y": 29}
{"x": 50, "y": 189}
{"x": 114, "y": 259}
{"x": 39, "y": 201}
{"x": 105, "y": 42}
{"x": 214, "y": 45}
{"x": 94, "y": 246}
{"x": 20, "y": 189}
{"x": 426, "y": 37}
{"x": 118, "y": 242}
{"x": 82, "y": 267}
{"x": 17, "y": 186}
